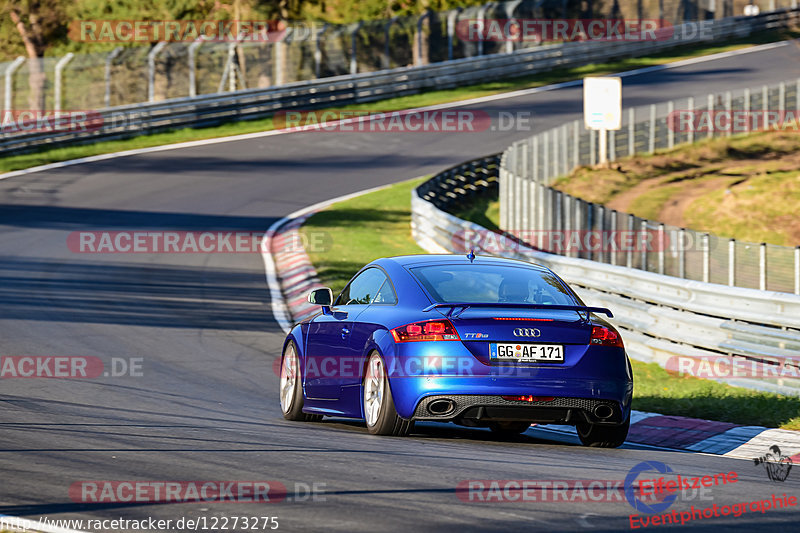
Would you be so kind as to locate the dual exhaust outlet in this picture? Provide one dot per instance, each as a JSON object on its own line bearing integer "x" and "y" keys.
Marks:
{"x": 444, "y": 406}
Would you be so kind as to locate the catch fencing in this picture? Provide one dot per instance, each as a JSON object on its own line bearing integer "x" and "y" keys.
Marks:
{"x": 533, "y": 210}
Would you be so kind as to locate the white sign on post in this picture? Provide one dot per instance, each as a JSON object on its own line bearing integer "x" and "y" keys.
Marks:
{"x": 602, "y": 108}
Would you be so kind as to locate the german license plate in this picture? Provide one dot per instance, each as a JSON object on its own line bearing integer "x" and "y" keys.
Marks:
{"x": 526, "y": 352}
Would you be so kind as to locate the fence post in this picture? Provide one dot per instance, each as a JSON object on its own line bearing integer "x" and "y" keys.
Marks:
{"x": 764, "y": 98}
{"x": 612, "y": 145}
{"x": 564, "y": 165}
{"x": 601, "y": 223}
{"x": 354, "y": 47}
{"x": 8, "y": 101}
{"x": 420, "y": 21}
{"x": 613, "y": 229}
{"x": 192, "y": 61}
{"x": 732, "y": 262}
{"x": 546, "y": 158}
{"x": 629, "y": 252}
{"x": 592, "y": 150}
{"x": 728, "y": 105}
{"x": 706, "y": 258}
{"x": 661, "y": 248}
{"x": 482, "y": 25}
{"x": 540, "y": 223}
{"x": 643, "y": 240}
{"x": 682, "y": 253}
{"x": 109, "y": 58}
{"x": 710, "y": 115}
{"x": 631, "y": 131}
{"x": 690, "y": 108}
{"x": 318, "y": 49}
{"x": 782, "y": 100}
{"x": 510, "y": 8}
{"x": 151, "y": 70}
{"x": 576, "y": 142}
{"x": 762, "y": 266}
{"x": 556, "y": 155}
{"x": 451, "y": 29}
{"x": 59, "y": 69}
{"x": 797, "y": 270}
{"x": 535, "y": 161}
{"x": 746, "y": 105}
{"x": 670, "y": 129}
{"x": 651, "y": 143}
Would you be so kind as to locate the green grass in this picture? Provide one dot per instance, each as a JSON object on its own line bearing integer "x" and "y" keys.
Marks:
{"x": 660, "y": 391}
{"x": 52, "y": 155}
{"x": 360, "y": 230}
{"x": 377, "y": 224}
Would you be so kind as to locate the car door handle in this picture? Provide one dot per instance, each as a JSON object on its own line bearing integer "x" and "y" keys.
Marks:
{"x": 345, "y": 333}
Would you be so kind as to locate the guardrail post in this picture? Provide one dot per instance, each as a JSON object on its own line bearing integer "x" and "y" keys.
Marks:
{"x": 797, "y": 270}
{"x": 629, "y": 251}
{"x": 682, "y": 253}
{"x": 151, "y": 70}
{"x": 762, "y": 266}
{"x": 8, "y": 103}
{"x": 690, "y": 108}
{"x": 661, "y": 248}
{"x": 644, "y": 243}
{"x": 651, "y": 141}
{"x": 670, "y": 130}
{"x": 57, "y": 100}
{"x": 710, "y": 100}
{"x": 109, "y": 59}
{"x": 354, "y": 47}
{"x": 631, "y": 131}
{"x": 732, "y": 262}
{"x": 706, "y": 257}
{"x": 451, "y": 29}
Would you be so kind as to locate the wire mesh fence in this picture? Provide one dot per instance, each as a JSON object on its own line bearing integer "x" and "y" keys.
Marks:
{"x": 133, "y": 74}
{"x": 556, "y": 222}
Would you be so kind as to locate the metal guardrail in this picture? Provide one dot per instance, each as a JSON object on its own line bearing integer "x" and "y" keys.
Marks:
{"x": 132, "y": 120}
{"x": 532, "y": 210}
{"x": 663, "y": 319}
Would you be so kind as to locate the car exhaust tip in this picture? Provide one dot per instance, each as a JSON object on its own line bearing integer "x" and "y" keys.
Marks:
{"x": 441, "y": 407}
{"x": 603, "y": 412}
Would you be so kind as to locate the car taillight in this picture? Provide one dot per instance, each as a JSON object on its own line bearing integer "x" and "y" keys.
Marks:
{"x": 432, "y": 330}
{"x": 528, "y": 398}
{"x": 605, "y": 336}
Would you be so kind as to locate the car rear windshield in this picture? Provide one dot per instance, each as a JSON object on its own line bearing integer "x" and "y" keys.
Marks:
{"x": 492, "y": 284}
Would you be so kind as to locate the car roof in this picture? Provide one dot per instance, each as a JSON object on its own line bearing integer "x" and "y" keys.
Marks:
{"x": 432, "y": 259}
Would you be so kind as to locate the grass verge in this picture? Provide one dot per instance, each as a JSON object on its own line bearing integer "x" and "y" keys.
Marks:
{"x": 378, "y": 225}
{"x": 52, "y": 155}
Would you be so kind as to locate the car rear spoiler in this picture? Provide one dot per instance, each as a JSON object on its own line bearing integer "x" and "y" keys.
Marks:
{"x": 553, "y": 307}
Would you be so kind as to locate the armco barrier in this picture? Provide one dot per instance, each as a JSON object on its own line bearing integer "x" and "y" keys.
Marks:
{"x": 660, "y": 317}
{"x": 131, "y": 120}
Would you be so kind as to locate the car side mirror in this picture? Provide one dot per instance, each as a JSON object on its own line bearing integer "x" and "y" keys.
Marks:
{"x": 323, "y": 297}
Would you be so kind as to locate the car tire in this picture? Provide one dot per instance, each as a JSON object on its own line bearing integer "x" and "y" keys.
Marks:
{"x": 509, "y": 429}
{"x": 603, "y": 436}
{"x": 377, "y": 402}
{"x": 291, "y": 387}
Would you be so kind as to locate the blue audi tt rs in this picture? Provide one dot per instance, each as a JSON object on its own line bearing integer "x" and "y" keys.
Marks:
{"x": 478, "y": 341}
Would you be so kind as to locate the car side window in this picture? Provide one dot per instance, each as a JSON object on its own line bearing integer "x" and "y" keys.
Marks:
{"x": 386, "y": 294}
{"x": 363, "y": 288}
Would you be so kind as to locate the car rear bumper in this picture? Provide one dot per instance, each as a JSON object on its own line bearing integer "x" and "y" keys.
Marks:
{"x": 573, "y": 400}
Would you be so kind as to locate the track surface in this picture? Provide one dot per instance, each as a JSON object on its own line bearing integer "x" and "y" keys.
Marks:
{"x": 206, "y": 407}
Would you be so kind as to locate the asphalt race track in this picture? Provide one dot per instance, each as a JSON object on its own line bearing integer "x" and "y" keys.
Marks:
{"x": 206, "y": 404}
